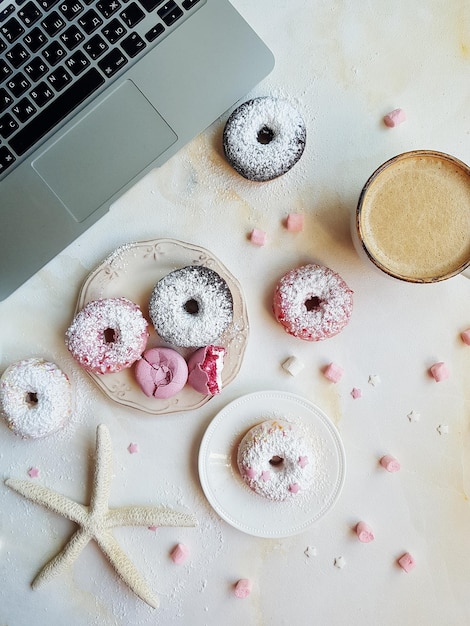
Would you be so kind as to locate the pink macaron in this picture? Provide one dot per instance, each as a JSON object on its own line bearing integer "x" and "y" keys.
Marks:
{"x": 161, "y": 372}
{"x": 205, "y": 370}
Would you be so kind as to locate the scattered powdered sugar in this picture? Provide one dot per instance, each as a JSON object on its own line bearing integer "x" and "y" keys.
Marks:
{"x": 107, "y": 335}
{"x": 191, "y": 306}
{"x": 35, "y": 397}
{"x": 264, "y": 138}
{"x": 312, "y": 302}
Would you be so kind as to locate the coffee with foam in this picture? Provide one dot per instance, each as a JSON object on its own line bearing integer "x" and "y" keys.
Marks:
{"x": 413, "y": 217}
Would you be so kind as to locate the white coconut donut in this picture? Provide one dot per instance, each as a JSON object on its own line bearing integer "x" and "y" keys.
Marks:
{"x": 264, "y": 138}
{"x": 191, "y": 307}
{"x": 276, "y": 460}
{"x": 35, "y": 398}
{"x": 312, "y": 302}
{"x": 107, "y": 335}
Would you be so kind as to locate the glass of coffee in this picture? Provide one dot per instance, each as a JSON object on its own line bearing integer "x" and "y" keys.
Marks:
{"x": 413, "y": 217}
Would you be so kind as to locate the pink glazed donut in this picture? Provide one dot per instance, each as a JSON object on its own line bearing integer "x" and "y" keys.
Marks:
{"x": 161, "y": 373}
{"x": 312, "y": 302}
{"x": 107, "y": 335}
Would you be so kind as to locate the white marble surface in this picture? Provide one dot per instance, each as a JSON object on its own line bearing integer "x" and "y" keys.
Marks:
{"x": 345, "y": 64}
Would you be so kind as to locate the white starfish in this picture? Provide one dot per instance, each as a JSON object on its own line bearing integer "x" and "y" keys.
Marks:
{"x": 96, "y": 521}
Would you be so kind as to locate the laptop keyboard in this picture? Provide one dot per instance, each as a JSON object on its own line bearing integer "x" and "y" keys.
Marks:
{"x": 54, "y": 54}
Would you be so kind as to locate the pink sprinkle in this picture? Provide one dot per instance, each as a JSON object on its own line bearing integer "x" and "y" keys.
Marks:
{"x": 364, "y": 532}
{"x": 258, "y": 237}
{"x": 250, "y": 472}
{"x": 466, "y": 336}
{"x": 390, "y": 463}
{"x": 394, "y": 118}
{"x": 179, "y": 554}
{"x": 439, "y": 371}
{"x": 33, "y": 472}
{"x": 133, "y": 448}
{"x": 333, "y": 372}
{"x": 356, "y": 393}
{"x": 294, "y": 488}
{"x": 154, "y": 528}
{"x": 303, "y": 461}
{"x": 243, "y": 588}
{"x": 266, "y": 476}
{"x": 295, "y": 222}
{"x": 406, "y": 562}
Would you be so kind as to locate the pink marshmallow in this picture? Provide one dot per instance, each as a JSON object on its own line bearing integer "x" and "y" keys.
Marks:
{"x": 364, "y": 532}
{"x": 243, "y": 588}
{"x": 179, "y": 554}
{"x": 390, "y": 463}
{"x": 466, "y": 336}
{"x": 333, "y": 372}
{"x": 258, "y": 237}
{"x": 205, "y": 369}
{"x": 161, "y": 373}
{"x": 394, "y": 118}
{"x": 406, "y": 562}
{"x": 439, "y": 371}
{"x": 295, "y": 222}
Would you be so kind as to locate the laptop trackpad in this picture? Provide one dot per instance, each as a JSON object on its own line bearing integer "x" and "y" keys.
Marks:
{"x": 104, "y": 150}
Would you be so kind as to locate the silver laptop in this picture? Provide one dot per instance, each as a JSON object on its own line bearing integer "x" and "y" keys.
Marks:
{"x": 94, "y": 94}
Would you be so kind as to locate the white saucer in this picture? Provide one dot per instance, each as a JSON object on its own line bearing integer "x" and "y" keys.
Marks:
{"x": 132, "y": 271}
{"x": 234, "y": 501}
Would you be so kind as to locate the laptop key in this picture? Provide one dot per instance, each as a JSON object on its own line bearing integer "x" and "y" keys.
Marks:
{"x": 23, "y": 110}
{"x": 151, "y": 5}
{"x": 90, "y": 21}
{"x": 5, "y": 70}
{"x": 132, "y": 15}
{"x": 5, "y": 99}
{"x": 133, "y": 44}
{"x": 95, "y": 47}
{"x": 47, "y": 4}
{"x": 35, "y": 39}
{"x": 187, "y": 4}
{"x": 17, "y": 55}
{"x": 112, "y": 62}
{"x": 53, "y": 53}
{"x": 35, "y": 69}
{"x": 11, "y": 30}
{"x": 41, "y": 94}
{"x": 154, "y": 32}
{"x": 6, "y": 158}
{"x": 77, "y": 63}
{"x": 108, "y": 7}
{"x": 29, "y": 14}
{"x": 114, "y": 30}
{"x": 170, "y": 12}
{"x": 8, "y": 10}
{"x": 72, "y": 37}
{"x": 59, "y": 78}
{"x": 8, "y": 125}
{"x": 53, "y": 23}
{"x": 18, "y": 85}
{"x": 70, "y": 9}
{"x": 58, "y": 109}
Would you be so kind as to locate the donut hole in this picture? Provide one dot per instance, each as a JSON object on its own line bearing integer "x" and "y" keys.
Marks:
{"x": 313, "y": 303}
{"x": 276, "y": 462}
{"x": 31, "y": 398}
{"x": 191, "y": 306}
{"x": 109, "y": 335}
{"x": 265, "y": 135}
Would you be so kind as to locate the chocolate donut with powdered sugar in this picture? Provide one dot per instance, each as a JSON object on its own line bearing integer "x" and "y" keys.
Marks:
{"x": 264, "y": 138}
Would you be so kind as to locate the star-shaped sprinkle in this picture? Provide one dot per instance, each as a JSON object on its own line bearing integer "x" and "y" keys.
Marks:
{"x": 33, "y": 472}
{"x": 413, "y": 416}
{"x": 133, "y": 448}
{"x": 374, "y": 380}
{"x": 356, "y": 393}
{"x": 97, "y": 520}
{"x": 443, "y": 429}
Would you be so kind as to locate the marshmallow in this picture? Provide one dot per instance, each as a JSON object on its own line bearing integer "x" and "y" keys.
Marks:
{"x": 339, "y": 562}
{"x": 333, "y": 372}
{"x": 406, "y": 562}
{"x": 439, "y": 371}
{"x": 466, "y": 336}
{"x": 243, "y": 588}
{"x": 179, "y": 554}
{"x": 364, "y": 532}
{"x": 394, "y": 118}
{"x": 205, "y": 369}
{"x": 161, "y": 372}
{"x": 390, "y": 463}
{"x": 258, "y": 237}
{"x": 295, "y": 222}
{"x": 293, "y": 365}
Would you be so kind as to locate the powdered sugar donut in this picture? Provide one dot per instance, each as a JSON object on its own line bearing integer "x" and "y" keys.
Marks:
{"x": 276, "y": 460}
{"x": 191, "y": 307}
{"x": 312, "y": 302}
{"x": 264, "y": 138}
{"x": 107, "y": 335}
{"x": 35, "y": 397}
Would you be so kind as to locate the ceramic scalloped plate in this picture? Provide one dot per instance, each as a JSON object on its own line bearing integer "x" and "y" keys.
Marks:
{"x": 232, "y": 499}
{"x": 132, "y": 271}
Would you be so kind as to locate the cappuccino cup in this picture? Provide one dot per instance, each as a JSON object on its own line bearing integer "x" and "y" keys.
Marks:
{"x": 412, "y": 219}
